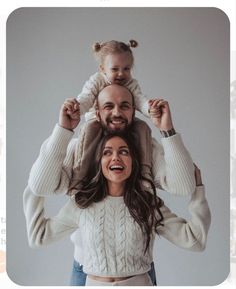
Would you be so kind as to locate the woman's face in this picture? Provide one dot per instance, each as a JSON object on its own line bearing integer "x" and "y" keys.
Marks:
{"x": 116, "y": 160}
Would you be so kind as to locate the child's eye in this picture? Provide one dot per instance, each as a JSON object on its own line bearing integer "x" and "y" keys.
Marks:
{"x": 114, "y": 69}
{"x": 127, "y": 68}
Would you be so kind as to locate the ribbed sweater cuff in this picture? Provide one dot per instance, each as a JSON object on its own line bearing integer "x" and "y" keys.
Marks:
{"x": 61, "y": 137}
{"x": 178, "y": 159}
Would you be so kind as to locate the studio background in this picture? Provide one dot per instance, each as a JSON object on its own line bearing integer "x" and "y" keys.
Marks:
{"x": 183, "y": 56}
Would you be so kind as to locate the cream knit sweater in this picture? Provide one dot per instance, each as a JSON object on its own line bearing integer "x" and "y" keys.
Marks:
{"x": 172, "y": 166}
{"x": 97, "y": 82}
{"x": 113, "y": 241}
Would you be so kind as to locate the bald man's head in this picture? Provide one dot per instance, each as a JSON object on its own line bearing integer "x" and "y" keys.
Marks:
{"x": 115, "y": 108}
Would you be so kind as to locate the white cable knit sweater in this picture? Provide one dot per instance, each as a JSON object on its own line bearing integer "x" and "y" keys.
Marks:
{"x": 97, "y": 82}
{"x": 172, "y": 166}
{"x": 113, "y": 242}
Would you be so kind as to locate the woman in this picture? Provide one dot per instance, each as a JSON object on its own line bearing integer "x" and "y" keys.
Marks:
{"x": 117, "y": 218}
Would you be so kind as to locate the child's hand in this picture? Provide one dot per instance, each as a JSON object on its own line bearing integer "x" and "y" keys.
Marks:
{"x": 159, "y": 111}
{"x": 69, "y": 116}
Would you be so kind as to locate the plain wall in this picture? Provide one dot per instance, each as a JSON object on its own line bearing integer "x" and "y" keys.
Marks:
{"x": 183, "y": 56}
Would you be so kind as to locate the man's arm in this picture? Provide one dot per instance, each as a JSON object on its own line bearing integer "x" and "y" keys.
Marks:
{"x": 52, "y": 170}
{"x": 172, "y": 166}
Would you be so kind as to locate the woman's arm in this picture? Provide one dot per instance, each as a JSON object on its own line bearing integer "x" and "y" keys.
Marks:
{"x": 191, "y": 235}
{"x": 52, "y": 170}
{"x": 41, "y": 230}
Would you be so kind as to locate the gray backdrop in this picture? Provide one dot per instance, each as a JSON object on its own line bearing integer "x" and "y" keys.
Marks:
{"x": 183, "y": 56}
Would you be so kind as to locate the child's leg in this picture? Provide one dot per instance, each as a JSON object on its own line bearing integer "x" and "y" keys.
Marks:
{"x": 143, "y": 135}
{"x": 89, "y": 137}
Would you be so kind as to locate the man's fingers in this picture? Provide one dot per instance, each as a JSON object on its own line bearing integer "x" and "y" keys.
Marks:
{"x": 71, "y": 105}
{"x": 157, "y": 103}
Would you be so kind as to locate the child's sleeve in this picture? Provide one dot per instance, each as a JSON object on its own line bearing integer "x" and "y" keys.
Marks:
{"x": 141, "y": 101}
{"x": 90, "y": 91}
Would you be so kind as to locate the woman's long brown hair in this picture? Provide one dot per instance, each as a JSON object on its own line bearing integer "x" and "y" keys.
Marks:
{"x": 144, "y": 206}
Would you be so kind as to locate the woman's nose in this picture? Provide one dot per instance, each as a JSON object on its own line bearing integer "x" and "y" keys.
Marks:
{"x": 115, "y": 156}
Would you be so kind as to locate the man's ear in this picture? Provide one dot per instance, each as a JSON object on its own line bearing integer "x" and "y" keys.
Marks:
{"x": 97, "y": 115}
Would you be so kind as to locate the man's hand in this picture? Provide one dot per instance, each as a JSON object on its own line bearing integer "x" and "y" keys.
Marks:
{"x": 69, "y": 116}
{"x": 159, "y": 111}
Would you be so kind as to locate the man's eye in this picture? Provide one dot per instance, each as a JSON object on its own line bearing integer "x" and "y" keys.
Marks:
{"x": 108, "y": 107}
{"x": 125, "y": 106}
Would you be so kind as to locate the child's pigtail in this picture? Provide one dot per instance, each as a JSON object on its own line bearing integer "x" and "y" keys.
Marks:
{"x": 133, "y": 43}
{"x": 96, "y": 47}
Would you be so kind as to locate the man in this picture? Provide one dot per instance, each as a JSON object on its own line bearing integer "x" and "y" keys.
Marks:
{"x": 172, "y": 167}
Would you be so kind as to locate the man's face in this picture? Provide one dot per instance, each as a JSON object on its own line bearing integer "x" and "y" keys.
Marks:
{"x": 115, "y": 108}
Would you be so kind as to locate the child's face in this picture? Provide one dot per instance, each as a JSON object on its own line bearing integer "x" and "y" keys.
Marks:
{"x": 117, "y": 67}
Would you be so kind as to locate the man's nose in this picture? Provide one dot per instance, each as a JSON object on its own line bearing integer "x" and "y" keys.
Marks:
{"x": 116, "y": 111}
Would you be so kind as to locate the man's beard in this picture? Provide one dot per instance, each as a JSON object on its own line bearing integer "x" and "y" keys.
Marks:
{"x": 107, "y": 129}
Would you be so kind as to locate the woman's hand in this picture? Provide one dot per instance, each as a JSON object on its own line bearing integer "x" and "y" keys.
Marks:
{"x": 198, "y": 177}
{"x": 159, "y": 111}
{"x": 69, "y": 116}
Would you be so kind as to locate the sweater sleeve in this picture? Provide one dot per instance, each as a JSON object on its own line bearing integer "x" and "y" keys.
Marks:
{"x": 43, "y": 231}
{"x": 52, "y": 171}
{"x": 90, "y": 91}
{"x": 141, "y": 101}
{"x": 172, "y": 166}
{"x": 191, "y": 235}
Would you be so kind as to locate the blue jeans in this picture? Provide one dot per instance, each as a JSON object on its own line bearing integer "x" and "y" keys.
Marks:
{"x": 78, "y": 277}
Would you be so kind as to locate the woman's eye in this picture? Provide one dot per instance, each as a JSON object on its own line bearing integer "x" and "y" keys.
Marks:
{"x": 124, "y": 152}
{"x": 106, "y": 153}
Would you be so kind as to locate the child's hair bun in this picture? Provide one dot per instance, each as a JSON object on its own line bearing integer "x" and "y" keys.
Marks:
{"x": 96, "y": 46}
{"x": 133, "y": 43}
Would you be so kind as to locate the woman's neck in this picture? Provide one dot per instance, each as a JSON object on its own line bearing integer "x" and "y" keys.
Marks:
{"x": 116, "y": 189}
